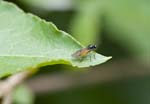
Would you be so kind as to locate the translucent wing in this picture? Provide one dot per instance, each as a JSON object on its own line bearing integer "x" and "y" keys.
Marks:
{"x": 81, "y": 53}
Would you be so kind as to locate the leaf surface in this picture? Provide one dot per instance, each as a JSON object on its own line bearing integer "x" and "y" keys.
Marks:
{"x": 28, "y": 42}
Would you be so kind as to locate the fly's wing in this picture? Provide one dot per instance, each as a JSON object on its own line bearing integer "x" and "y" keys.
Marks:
{"x": 77, "y": 53}
{"x": 81, "y": 53}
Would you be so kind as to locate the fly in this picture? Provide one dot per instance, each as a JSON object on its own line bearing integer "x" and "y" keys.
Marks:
{"x": 84, "y": 52}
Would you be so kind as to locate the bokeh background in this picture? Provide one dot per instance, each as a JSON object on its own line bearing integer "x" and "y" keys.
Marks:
{"x": 120, "y": 28}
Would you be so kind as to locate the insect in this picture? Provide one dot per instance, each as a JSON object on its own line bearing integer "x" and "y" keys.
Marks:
{"x": 83, "y": 52}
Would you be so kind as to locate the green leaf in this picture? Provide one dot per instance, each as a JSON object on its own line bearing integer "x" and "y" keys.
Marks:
{"x": 28, "y": 42}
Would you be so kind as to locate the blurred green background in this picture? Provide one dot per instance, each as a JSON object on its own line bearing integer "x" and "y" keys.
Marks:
{"x": 120, "y": 28}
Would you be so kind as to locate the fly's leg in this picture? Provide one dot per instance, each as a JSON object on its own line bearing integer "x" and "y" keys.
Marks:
{"x": 94, "y": 55}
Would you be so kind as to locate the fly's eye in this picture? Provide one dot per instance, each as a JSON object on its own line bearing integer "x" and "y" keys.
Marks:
{"x": 91, "y": 47}
{"x": 94, "y": 46}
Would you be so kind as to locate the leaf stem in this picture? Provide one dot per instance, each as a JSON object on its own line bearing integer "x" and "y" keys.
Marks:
{"x": 8, "y": 85}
